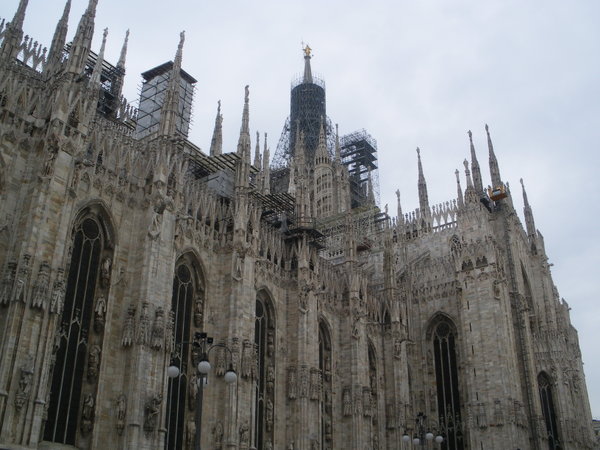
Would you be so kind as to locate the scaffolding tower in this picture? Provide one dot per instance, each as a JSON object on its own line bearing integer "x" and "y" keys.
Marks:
{"x": 359, "y": 154}
{"x": 152, "y": 95}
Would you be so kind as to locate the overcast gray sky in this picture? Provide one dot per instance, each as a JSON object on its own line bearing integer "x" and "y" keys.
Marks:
{"x": 413, "y": 73}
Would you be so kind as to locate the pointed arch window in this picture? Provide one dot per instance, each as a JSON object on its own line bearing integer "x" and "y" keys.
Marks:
{"x": 264, "y": 395}
{"x": 326, "y": 405}
{"x": 549, "y": 411}
{"x": 187, "y": 310}
{"x": 75, "y": 350}
{"x": 446, "y": 377}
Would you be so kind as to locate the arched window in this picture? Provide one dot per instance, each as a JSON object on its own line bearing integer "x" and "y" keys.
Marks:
{"x": 264, "y": 395}
{"x": 187, "y": 303}
{"x": 545, "y": 387}
{"x": 446, "y": 377}
{"x": 326, "y": 407}
{"x": 77, "y": 350}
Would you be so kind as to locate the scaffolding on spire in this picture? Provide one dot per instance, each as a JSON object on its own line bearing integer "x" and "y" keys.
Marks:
{"x": 359, "y": 154}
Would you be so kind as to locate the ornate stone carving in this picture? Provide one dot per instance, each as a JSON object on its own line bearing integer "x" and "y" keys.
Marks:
{"x": 303, "y": 382}
{"x": 100, "y": 314}
{"x": 347, "y": 402}
{"x": 366, "y": 401}
{"x": 8, "y": 281}
{"x": 220, "y": 362}
{"x": 244, "y": 435}
{"x": 190, "y": 433}
{"x": 121, "y": 407}
{"x": 25, "y": 380}
{"x": 269, "y": 415}
{"x": 144, "y": 326}
{"x": 397, "y": 348}
{"x": 151, "y": 413}
{"x": 270, "y": 379}
{"x": 40, "y": 289}
{"x": 292, "y": 383}
{"x": 157, "y": 337}
{"x": 58, "y": 293}
{"x": 87, "y": 414}
{"x": 217, "y": 433}
{"x": 248, "y": 360}
{"x": 20, "y": 287}
{"x": 315, "y": 384}
{"x": 169, "y": 332}
{"x": 270, "y": 342}
{"x": 193, "y": 391}
{"x": 105, "y": 267}
{"x": 129, "y": 327}
{"x": 198, "y": 309}
{"x": 93, "y": 364}
{"x": 390, "y": 416}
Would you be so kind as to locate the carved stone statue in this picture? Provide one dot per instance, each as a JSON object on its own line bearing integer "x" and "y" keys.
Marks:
{"x": 105, "y": 272}
{"x": 87, "y": 414}
{"x": 144, "y": 326}
{"x": 218, "y": 435}
{"x": 190, "y": 433}
{"x": 100, "y": 314}
{"x": 303, "y": 382}
{"x": 157, "y": 337}
{"x": 58, "y": 293}
{"x": 19, "y": 291}
{"x": 244, "y": 435}
{"x": 40, "y": 290}
{"x": 121, "y": 413}
{"x": 292, "y": 383}
{"x": 151, "y": 410}
{"x": 7, "y": 282}
{"x": 25, "y": 380}
{"x": 198, "y": 309}
{"x": 269, "y": 418}
{"x": 347, "y": 402}
{"x": 270, "y": 343}
{"x": 93, "y": 363}
{"x": 247, "y": 359}
{"x": 193, "y": 391}
{"x": 270, "y": 379}
{"x": 129, "y": 327}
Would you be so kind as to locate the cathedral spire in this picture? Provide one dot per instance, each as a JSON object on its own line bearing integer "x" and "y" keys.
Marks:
{"x": 470, "y": 194}
{"x": 123, "y": 55}
{"x": 95, "y": 78}
{"x": 266, "y": 188}
{"x": 529, "y": 222}
{"x": 338, "y": 151}
{"x": 243, "y": 148}
{"x": 459, "y": 193}
{"x": 257, "y": 152}
{"x": 168, "y": 115}
{"x": 477, "y": 182}
{"x": 14, "y": 33}
{"x": 399, "y": 208}
{"x": 494, "y": 169}
{"x": 216, "y": 144}
{"x": 423, "y": 197}
{"x": 82, "y": 42}
{"x": 58, "y": 40}
{"x": 307, "y": 79}
{"x": 371, "y": 193}
{"x": 321, "y": 155}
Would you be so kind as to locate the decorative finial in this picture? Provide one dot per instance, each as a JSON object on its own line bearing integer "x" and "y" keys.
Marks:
{"x": 307, "y": 50}
{"x": 246, "y": 93}
{"x": 418, "y": 151}
{"x": 470, "y": 135}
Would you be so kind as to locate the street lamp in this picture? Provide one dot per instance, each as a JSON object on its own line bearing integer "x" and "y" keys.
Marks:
{"x": 202, "y": 345}
{"x": 422, "y": 435}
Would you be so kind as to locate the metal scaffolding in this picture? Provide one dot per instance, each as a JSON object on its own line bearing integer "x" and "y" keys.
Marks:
{"x": 359, "y": 154}
{"x": 152, "y": 94}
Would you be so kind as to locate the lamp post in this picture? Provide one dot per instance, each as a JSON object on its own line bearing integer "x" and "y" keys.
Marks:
{"x": 422, "y": 433}
{"x": 202, "y": 345}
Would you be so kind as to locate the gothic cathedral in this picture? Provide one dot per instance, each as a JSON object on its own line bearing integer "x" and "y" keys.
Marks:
{"x": 157, "y": 296}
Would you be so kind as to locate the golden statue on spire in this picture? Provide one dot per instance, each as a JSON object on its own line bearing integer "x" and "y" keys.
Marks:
{"x": 307, "y": 50}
